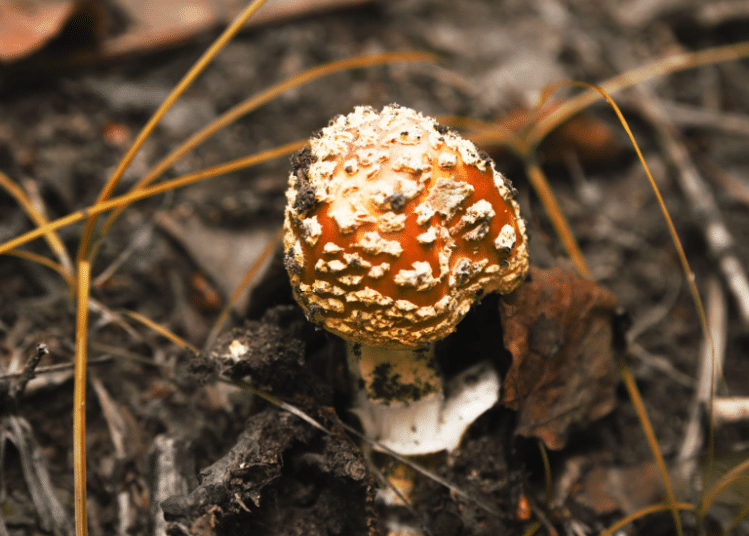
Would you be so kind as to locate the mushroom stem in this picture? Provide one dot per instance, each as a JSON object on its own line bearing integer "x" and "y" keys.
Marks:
{"x": 394, "y": 374}
{"x": 401, "y": 401}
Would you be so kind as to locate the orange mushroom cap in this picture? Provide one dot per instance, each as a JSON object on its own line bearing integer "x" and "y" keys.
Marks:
{"x": 395, "y": 225}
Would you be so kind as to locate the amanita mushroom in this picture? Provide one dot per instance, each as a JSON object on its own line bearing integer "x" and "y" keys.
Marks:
{"x": 394, "y": 227}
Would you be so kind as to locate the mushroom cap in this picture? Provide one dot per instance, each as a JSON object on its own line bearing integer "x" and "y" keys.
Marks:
{"x": 395, "y": 225}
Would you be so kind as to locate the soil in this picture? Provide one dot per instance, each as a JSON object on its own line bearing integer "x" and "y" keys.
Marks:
{"x": 173, "y": 448}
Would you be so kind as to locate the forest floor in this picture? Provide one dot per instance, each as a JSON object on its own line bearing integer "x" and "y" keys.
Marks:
{"x": 156, "y": 416}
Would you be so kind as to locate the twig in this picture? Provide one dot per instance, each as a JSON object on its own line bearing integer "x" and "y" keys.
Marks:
{"x": 656, "y": 314}
{"x": 405, "y": 501}
{"x": 3, "y": 528}
{"x": 660, "y": 363}
{"x": 541, "y": 515}
{"x": 737, "y": 188}
{"x": 727, "y": 409}
{"x": 108, "y": 316}
{"x": 55, "y": 368}
{"x": 112, "y": 416}
{"x": 167, "y": 480}
{"x": 52, "y": 516}
{"x": 692, "y": 116}
{"x": 703, "y": 203}
{"x": 711, "y": 365}
{"x": 141, "y": 239}
{"x": 28, "y": 373}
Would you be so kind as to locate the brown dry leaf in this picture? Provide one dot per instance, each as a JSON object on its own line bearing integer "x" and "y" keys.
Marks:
{"x": 27, "y": 26}
{"x": 557, "y": 327}
{"x": 156, "y": 24}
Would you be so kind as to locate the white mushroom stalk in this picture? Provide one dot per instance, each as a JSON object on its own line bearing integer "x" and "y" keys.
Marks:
{"x": 401, "y": 402}
{"x": 394, "y": 226}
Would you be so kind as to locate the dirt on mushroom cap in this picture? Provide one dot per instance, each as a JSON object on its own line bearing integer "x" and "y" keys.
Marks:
{"x": 395, "y": 225}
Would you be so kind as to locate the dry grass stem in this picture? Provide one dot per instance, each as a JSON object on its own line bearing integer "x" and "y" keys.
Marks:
{"x": 79, "y": 397}
{"x": 34, "y": 208}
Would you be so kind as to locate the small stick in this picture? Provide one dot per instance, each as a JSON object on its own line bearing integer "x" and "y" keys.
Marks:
{"x": 167, "y": 480}
{"x": 685, "y": 115}
{"x": 700, "y": 197}
{"x": 56, "y": 368}
{"x": 53, "y": 516}
{"x": 726, "y": 180}
{"x": 728, "y": 409}
{"x": 710, "y": 370}
{"x": 29, "y": 371}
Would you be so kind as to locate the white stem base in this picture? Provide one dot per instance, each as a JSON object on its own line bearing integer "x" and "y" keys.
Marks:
{"x": 433, "y": 423}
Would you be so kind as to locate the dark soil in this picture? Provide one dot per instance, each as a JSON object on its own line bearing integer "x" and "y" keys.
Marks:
{"x": 164, "y": 428}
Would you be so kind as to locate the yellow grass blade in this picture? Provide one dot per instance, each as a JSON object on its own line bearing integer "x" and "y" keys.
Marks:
{"x": 647, "y": 427}
{"x": 79, "y": 399}
{"x": 554, "y": 211}
{"x": 739, "y": 517}
{"x": 44, "y": 261}
{"x": 664, "y": 210}
{"x": 566, "y": 234}
{"x": 161, "y": 330}
{"x": 723, "y": 482}
{"x": 549, "y": 488}
{"x": 55, "y": 244}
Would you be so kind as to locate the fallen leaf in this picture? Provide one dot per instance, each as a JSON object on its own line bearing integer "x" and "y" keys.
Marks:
{"x": 27, "y": 26}
{"x": 557, "y": 326}
{"x": 156, "y": 24}
{"x": 152, "y": 25}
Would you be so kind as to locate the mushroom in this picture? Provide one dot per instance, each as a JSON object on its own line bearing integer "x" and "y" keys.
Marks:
{"x": 394, "y": 227}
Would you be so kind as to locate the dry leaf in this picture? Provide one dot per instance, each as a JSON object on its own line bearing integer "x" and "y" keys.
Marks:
{"x": 27, "y": 26}
{"x": 156, "y": 24}
{"x": 557, "y": 327}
